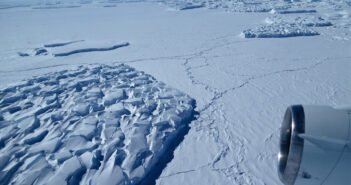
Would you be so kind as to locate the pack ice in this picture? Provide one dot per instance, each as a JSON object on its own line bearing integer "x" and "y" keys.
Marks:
{"x": 95, "y": 124}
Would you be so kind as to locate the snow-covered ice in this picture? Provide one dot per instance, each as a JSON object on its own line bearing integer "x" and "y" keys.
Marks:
{"x": 310, "y": 21}
{"x": 66, "y": 48}
{"x": 292, "y": 11}
{"x": 278, "y": 30}
{"x": 184, "y": 5}
{"x": 241, "y": 86}
{"x": 94, "y": 125}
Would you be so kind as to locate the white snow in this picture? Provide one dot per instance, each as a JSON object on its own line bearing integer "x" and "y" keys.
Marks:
{"x": 310, "y": 21}
{"x": 71, "y": 125}
{"x": 61, "y": 49}
{"x": 292, "y": 11}
{"x": 278, "y": 30}
{"x": 111, "y": 126}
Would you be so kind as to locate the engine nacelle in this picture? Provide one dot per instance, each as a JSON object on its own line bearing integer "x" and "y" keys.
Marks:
{"x": 315, "y": 146}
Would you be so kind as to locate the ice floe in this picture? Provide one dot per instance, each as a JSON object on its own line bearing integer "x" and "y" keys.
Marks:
{"x": 292, "y": 11}
{"x": 184, "y": 5}
{"x": 291, "y": 26}
{"x": 311, "y": 21}
{"x": 67, "y": 48}
{"x": 279, "y": 30}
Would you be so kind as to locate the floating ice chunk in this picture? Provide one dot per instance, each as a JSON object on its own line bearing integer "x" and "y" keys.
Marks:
{"x": 292, "y": 11}
{"x": 310, "y": 21}
{"x": 84, "y": 48}
{"x": 55, "y": 7}
{"x": 313, "y": 21}
{"x": 40, "y": 51}
{"x": 62, "y": 49}
{"x": 188, "y": 6}
{"x": 279, "y": 30}
{"x": 23, "y": 54}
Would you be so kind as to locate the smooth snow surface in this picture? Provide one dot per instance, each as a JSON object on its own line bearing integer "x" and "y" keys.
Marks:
{"x": 241, "y": 86}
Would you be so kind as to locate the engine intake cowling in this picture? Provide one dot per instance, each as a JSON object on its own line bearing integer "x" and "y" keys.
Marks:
{"x": 315, "y": 146}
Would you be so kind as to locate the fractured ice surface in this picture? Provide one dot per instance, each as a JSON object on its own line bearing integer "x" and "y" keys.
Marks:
{"x": 278, "y": 26}
{"x": 92, "y": 125}
{"x": 310, "y": 21}
{"x": 278, "y": 30}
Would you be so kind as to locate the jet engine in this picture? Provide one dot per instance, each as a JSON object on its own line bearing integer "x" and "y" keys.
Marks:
{"x": 315, "y": 146}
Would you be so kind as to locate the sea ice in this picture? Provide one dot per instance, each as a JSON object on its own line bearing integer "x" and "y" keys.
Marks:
{"x": 96, "y": 124}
